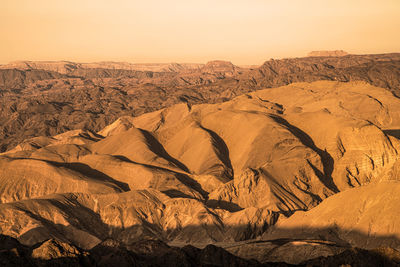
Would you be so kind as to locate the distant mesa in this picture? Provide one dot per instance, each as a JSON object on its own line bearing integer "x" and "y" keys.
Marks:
{"x": 327, "y": 53}
{"x": 219, "y": 63}
{"x": 67, "y": 67}
{"x": 219, "y": 66}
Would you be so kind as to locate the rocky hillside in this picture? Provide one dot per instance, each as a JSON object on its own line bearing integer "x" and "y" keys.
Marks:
{"x": 47, "y": 98}
{"x": 379, "y": 70}
{"x": 158, "y": 254}
{"x": 243, "y": 175}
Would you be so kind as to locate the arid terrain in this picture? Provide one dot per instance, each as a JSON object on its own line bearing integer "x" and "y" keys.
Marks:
{"x": 48, "y": 98}
{"x": 292, "y": 163}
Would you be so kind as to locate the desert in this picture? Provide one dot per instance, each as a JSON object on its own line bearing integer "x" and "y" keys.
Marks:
{"x": 261, "y": 176}
{"x": 199, "y": 133}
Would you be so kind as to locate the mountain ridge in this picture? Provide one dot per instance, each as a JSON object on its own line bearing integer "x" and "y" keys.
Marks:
{"x": 92, "y": 98}
{"x": 226, "y": 173}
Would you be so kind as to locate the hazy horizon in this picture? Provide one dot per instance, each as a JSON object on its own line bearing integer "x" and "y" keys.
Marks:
{"x": 243, "y": 32}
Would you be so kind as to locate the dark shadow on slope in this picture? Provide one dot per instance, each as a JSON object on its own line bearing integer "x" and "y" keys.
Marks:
{"x": 183, "y": 178}
{"x": 285, "y": 197}
{"x": 96, "y": 136}
{"x": 158, "y": 149}
{"x": 173, "y": 193}
{"x": 222, "y": 204}
{"x": 393, "y": 132}
{"x": 326, "y": 158}
{"x": 87, "y": 171}
{"x": 79, "y": 217}
{"x": 222, "y": 151}
{"x": 92, "y": 173}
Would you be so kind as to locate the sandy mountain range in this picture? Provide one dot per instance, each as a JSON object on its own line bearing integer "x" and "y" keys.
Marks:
{"x": 286, "y": 174}
{"x": 48, "y": 98}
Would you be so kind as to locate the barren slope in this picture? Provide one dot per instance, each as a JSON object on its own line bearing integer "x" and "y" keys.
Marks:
{"x": 217, "y": 173}
{"x": 47, "y": 98}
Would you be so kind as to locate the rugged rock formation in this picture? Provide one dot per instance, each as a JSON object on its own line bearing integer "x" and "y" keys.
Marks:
{"x": 47, "y": 98}
{"x": 156, "y": 253}
{"x": 379, "y": 70}
{"x": 228, "y": 173}
{"x": 369, "y": 210}
{"x": 112, "y": 253}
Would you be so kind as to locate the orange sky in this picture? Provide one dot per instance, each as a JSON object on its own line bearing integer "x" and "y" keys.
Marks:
{"x": 244, "y": 32}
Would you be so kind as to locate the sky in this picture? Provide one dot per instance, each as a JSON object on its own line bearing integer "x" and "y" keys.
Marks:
{"x": 187, "y": 31}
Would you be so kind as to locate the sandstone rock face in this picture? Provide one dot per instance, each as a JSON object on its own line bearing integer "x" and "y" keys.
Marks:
{"x": 228, "y": 173}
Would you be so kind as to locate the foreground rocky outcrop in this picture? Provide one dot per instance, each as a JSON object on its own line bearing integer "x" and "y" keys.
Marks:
{"x": 265, "y": 176}
{"x": 156, "y": 253}
{"x": 369, "y": 210}
{"x": 111, "y": 253}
